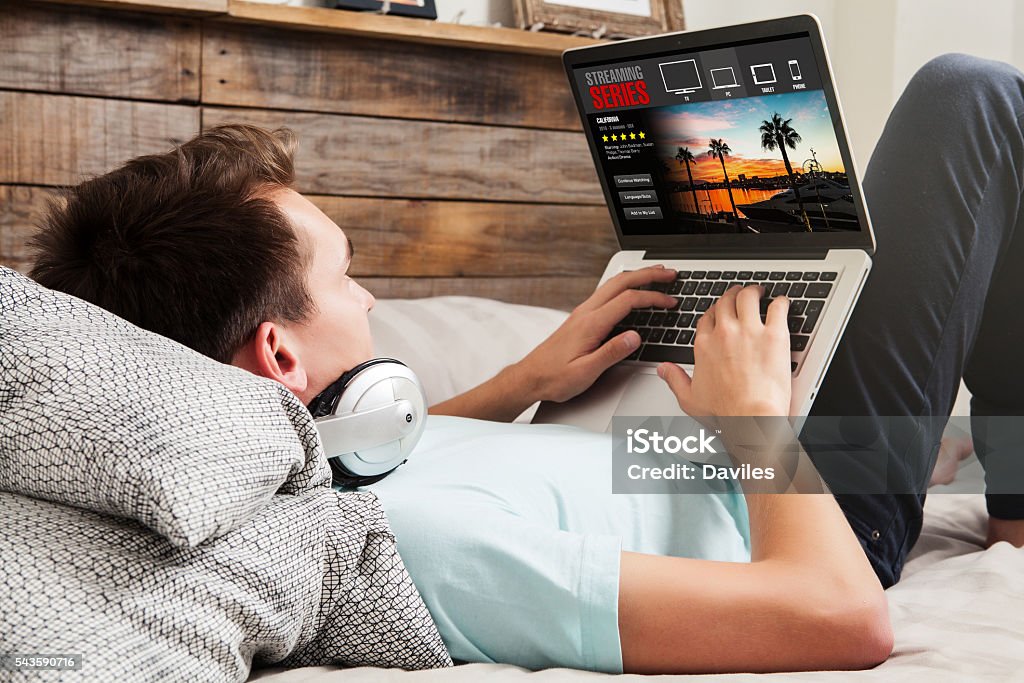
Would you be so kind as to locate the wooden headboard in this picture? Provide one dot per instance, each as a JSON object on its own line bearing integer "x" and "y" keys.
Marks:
{"x": 453, "y": 156}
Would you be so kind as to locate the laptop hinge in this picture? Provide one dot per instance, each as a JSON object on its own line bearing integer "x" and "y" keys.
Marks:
{"x": 788, "y": 254}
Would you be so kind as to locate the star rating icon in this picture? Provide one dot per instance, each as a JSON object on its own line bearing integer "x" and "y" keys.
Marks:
{"x": 605, "y": 138}
{"x": 642, "y": 136}
{"x": 632, "y": 136}
{"x": 614, "y": 138}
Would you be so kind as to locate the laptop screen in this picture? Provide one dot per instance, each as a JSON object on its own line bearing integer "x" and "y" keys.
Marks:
{"x": 729, "y": 139}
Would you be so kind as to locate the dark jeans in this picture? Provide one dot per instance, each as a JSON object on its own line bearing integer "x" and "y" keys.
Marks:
{"x": 944, "y": 299}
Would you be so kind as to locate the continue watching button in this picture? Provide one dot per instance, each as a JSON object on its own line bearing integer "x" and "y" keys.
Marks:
{"x": 635, "y": 180}
{"x": 642, "y": 212}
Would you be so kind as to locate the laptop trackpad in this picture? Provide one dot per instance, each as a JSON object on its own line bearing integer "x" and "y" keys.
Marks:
{"x": 622, "y": 390}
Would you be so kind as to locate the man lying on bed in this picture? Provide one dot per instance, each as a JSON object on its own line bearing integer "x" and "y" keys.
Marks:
{"x": 510, "y": 531}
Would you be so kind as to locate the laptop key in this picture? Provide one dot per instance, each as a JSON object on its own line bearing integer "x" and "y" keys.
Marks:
{"x": 675, "y": 287}
{"x": 798, "y": 342}
{"x": 642, "y": 318}
{"x": 644, "y": 332}
{"x": 704, "y": 288}
{"x": 797, "y": 307}
{"x": 670, "y": 337}
{"x": 810, "y": 277}
{"x": 689, "y": 287}
{"x": 746, "y": 275}
{"x": 797, "y": 290}
{"x": 698, "y": 274}
{"x": 776, "y": 275}
{"x": 793, "y": 276}
{"x": 761, "y": 275}
{"x": 781, "y": 289}
{"x": 795, "y": 324}
{"x": 673, "y": 354}
{"x": 818, "y": 290}
{"x": 814, "y": 309}
{"x": 714, "y": 274}
{"x": 660, "y": 286}
{"x": 657, "y": 319}
{"x": 729, "y": 275}
{"x": 685, "y": 336}
{"x": 704, "y": 304}
{"x": 682, "y": 274}
{"x": 685, "y": 320}
{"x": 656, "y": 334}
{"x": 829, "y": 277}
{"x": 718, "y": 289}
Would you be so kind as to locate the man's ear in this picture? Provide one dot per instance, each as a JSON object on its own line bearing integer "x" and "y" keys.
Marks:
{"x": 269, "y": 354}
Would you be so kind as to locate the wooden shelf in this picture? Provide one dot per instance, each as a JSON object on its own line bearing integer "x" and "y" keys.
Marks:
{"x": 373, "y": 25}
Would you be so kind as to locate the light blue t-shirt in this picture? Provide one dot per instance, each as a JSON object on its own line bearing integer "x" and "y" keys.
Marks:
{"x": 513, "y": 537}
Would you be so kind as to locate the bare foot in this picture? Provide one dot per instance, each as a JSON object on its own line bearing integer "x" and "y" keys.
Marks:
{"x": 1009, "y": 530}
{"x": 953, "y": 450}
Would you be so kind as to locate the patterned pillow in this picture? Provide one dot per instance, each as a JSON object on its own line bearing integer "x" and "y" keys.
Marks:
{"x": 98, "y": 413}
{"x": 312, "y": 579}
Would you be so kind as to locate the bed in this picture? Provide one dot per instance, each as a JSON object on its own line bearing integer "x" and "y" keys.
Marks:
{"x": 958, "y": 613}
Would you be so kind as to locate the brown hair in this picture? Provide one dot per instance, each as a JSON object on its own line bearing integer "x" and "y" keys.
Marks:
{"x": 185, "y": 243}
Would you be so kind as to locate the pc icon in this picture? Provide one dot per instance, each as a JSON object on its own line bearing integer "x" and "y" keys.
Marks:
{"x": 723, "y": 77}
{"x": 680, "y": 78}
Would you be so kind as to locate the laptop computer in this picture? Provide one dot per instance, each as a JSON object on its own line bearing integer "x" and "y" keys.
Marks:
{"x": 749, "y": 183}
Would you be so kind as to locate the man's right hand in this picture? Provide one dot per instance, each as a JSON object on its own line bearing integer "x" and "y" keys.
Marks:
{"x": 742, "y": 366}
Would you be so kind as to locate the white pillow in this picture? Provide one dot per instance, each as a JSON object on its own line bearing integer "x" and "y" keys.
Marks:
{"x": 454, "y": 343}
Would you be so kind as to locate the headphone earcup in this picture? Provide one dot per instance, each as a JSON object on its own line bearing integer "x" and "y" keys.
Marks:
{"x": 375, "y": 414}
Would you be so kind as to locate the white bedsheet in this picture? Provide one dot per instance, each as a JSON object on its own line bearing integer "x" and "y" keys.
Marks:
{"x": 958, "y": 614}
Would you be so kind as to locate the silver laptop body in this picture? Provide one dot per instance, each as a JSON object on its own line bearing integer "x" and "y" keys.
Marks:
{"x": 654, "y": 118}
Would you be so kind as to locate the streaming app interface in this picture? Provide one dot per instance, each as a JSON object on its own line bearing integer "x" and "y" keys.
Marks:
{"x": 733, "y": 139}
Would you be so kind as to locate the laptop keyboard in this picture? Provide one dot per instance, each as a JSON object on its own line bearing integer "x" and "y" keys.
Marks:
{"x": 667, "y": 334}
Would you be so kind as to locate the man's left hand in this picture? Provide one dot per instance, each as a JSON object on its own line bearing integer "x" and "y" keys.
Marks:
{"x": 576, "y": 354}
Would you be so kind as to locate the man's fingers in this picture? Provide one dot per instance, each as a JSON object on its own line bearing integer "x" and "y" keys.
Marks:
{"x": 777, "y": 311}
{"x": 610, "y": 353}
{"x": 609, "y": 314}
{"x": 627, "y": 280}
{"x": 679, "y": 382}
{"x": 748, "y": 306}
{"x": 725, "y": 307}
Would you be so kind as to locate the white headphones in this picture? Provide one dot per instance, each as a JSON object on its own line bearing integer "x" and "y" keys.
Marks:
{"x": 370, "y": 420}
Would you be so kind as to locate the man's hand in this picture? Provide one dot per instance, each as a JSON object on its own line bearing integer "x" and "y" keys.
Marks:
{"x": 742, "y": 367}
{"x": 573, "y": 357}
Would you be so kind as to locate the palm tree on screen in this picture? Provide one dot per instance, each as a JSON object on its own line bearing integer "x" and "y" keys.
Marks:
{"x": 720, "y": 149}
{"x": 685, "y": 156}
{"x": 776, "y": 133}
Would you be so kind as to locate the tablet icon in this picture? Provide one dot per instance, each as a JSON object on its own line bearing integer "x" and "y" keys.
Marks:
{"x": 680, "y": 78}
{"x": 723, "y": 77}
{"x": 763, "y": 73}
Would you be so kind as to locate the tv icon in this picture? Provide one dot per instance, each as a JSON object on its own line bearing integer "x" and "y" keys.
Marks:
{"x": 723, "y": 77}
{"x": 680, "y": 78}
{"x": 763, "y": 73}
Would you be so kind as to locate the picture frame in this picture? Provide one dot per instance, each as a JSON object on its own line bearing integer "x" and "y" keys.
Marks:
{"x": 602, "y": 18}
{"x": 425, "y": 9}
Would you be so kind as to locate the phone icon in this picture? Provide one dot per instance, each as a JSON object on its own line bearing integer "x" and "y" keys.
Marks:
{"x": 794, "y": 70}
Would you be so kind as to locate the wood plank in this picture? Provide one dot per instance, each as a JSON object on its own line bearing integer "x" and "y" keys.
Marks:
{"x": 256, "y": 67}
{"x": 91, "y": 52}
{"x": 415, "y": 238}
{"x": 408, "y": 29}
{"x": 177, "y": 7}
{"x": 21, "y": 210}
{"x": 563, "y": 293}
{"x": 360, "y": 156}
{"x": 59, "y": 140}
